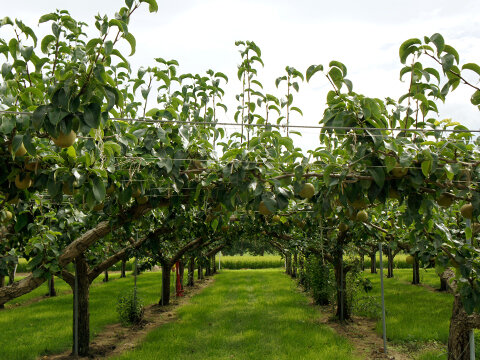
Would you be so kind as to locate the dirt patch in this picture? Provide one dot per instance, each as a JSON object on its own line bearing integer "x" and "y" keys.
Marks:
{"x": 116, "y": 339}
{"x": 361, "y": 333}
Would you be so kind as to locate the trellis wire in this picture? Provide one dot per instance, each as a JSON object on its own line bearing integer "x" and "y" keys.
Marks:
{"x": 258, "y": 125}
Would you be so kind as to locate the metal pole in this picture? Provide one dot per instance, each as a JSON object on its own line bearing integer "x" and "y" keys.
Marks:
{"x": 341, "y": 285}
{"x": 135, "y": 280}
{"x": 75, "y": 314}
{"x": 472, "y": 334}
{"x": 383, "y": 300}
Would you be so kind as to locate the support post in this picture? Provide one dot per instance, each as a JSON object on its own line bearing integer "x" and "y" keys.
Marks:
{"x": 75, "y": 313}
{"x": 472, "y": 334}
{"x": 383, "y": 300}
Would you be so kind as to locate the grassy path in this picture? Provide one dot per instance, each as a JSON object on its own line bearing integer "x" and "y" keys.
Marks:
{"x": 245, "y": 314}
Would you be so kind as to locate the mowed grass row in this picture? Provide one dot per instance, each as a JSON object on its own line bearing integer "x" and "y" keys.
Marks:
{"x": 414, "y": 314}
{"x": 245, "y": 314}
{"x": 45, "y": 327}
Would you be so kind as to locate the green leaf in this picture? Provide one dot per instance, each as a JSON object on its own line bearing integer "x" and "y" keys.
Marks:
{"x": 473, "y": 67}
{"x": 439, "y": 42}
{"x": 48, "y": 17}
{"x": 98, "y": 189}
{"x": 378, "y": 176}
{"x": 451, "y": 50}
{"x": 27, "y": 142}
{"x": 153, "y": 7}
{"x": 426, "y": 167}
{"x": 46, "y": 41}
{"x": 21, "y": 222}
{"x": 294, "y": 108}
{"x": 475, "y": 99}
{"x": 131, "y": 40}
{"x": 91, "y": 115}
{"x": 408, "y": 47}
{"x": 312, "y": 69}
{"x": 447, "y": 62}
{"x": 340, "y": 66}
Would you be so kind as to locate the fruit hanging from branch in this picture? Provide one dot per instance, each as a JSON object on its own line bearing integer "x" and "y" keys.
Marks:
{"x": 65, "y": 140}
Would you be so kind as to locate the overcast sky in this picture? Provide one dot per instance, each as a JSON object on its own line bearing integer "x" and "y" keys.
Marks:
{"x": 364, "y": 35}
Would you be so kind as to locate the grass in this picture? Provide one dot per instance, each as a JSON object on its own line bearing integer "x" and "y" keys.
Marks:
{"x": 250, "y": 262}
{"x": 414, "y": 314}
{"x": 246, "y": 314}
{"x": 45, "y": 327}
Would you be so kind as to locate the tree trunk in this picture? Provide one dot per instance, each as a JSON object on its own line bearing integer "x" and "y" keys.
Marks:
{"x": 373, "y": 262}
{"x": 390, "y": 257}
{"x": 362, "y": 261}
{"x": 289, "y": 264}
{"x": 123, "y": 269}
{"x": 105, "y": 279}
{"x": 83, "y": 306}
{"x": 443, "y": 284}
{"x": 416, "y": 271}
{"x": 295, "y": 265}
{"x": 458, "y": 336}
{"x": 208, "y": 268}
{"x": 214, "y": 267}
{"x": 181, "y": 271}
{"x": 51, "y": 286}
{"x": 11, "y": 273}
{"x": 343, "y": 312}
{"x": 301, "y": 274}
{"x": 191, "y": 271}
{"x": 165, "y": 299}
{"x": 2, "y": 284}
{"x": 200, "y": 270}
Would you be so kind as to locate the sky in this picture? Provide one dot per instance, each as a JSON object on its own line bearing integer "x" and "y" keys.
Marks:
{"x": 364, "y": 35}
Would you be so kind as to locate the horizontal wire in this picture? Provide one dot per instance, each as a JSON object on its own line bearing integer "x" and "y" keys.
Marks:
{"x": 260, "y": 125}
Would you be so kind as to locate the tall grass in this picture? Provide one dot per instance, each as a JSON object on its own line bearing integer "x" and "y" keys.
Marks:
{"x": 250, "y": 262}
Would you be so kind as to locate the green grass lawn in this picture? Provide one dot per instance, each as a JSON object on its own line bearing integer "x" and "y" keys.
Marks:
{"x": 245, "y": 314}
{"x": 415, "y": 315}
{"x": 45, "y": 327}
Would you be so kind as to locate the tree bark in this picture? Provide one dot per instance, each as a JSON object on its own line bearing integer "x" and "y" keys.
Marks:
{"x": 200, "y": 270}
{"x": 83, "y": 306}
{"x": 301, "y": 275}
{"x": 123, "y": 269}
{"x": 295, "y": 265}
{"x": 416, "y": 271}
{"x": 181, "y": 271}
{"x": 51, "y": 286}
{"x": 390, "y": 257}
{"x": 214, "y": 267}
{"x": 105, "y": 279}
{"x": 458, "y": 336}
{"x": 2, "y": 284}
{"x": 165, "y": 299}
{"x": 373, "y": 262}
{"x": 191, "y": 271}
{"x": 288, "y": 269}
{"x": 343, "y": 312}
{"x": 443, "y": 284}
{"x": 208, "y": 266}
{"x": 12, "y": 272}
